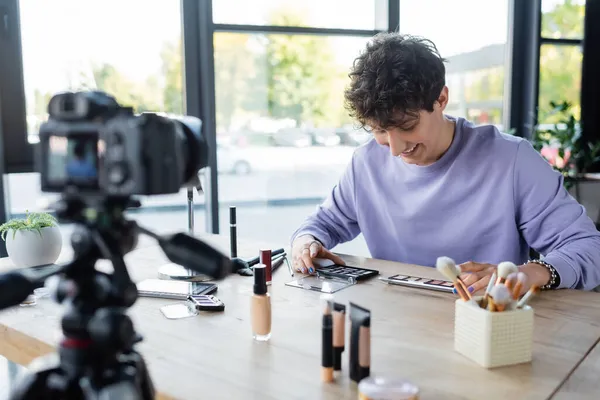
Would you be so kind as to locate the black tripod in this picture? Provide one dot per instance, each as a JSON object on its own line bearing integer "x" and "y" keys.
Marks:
{"x": 96, "y": 359}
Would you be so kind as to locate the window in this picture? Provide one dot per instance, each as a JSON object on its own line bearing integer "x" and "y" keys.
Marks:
{"x": 284, "y": 134}
{"x": 357, "y": 14}
{"x": 472, "y": 36}
{"x": 560, "y": 79}
{"x": 109, "y": 45}
{"x": 560, "y": 57}
{"x": 563, "y": 19}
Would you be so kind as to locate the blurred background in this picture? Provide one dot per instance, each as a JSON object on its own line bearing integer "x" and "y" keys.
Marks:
{"x": 276, "y": 71}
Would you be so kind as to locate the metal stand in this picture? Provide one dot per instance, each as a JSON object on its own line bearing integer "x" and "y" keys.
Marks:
{"x": 176, "y": 272}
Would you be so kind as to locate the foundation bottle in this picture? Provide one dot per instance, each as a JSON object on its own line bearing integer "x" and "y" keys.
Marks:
{"x": 260, "y": 307}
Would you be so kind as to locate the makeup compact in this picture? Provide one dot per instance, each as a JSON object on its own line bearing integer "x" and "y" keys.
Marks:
{"x": 383, "y": 388}
{"x": 418, "y": 282}
{"x": 320, "y": 284}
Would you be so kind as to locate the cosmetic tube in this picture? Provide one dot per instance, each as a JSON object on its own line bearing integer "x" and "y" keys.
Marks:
{"x": 232, "y": 232}
{"x": 360, "y": 343}
{"x": 264, "y": 257}
{"x": 327, "y": 341}
{"x": 260, "y": 307}
{"x": 339, "y": 334}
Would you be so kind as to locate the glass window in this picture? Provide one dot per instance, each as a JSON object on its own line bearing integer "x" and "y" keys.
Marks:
{"x": 65, "y": 49}
{"x": 563, "y": 19}
{"x": 560, "y": 79}
{"x": 110, "y": 45}
{"x": 284, "y": 134}
{"x": 349, "y": 14}
{"x": 475, "y": 62}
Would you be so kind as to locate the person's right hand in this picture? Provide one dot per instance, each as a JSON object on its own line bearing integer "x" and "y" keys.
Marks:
{"x": 305, "y": 248}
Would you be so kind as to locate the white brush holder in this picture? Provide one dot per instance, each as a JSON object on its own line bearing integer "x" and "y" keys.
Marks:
{"x": 493, "y": 339}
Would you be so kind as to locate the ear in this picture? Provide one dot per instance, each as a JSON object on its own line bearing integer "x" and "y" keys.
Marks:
{"x": 442, "y": 100}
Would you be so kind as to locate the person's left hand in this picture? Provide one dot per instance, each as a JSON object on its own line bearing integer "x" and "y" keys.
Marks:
{"x": 476, "y": 275}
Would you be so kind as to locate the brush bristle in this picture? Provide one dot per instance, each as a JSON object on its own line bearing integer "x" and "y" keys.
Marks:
{"x": 500, "y": 294}
{"x": 447, "y": 267}
{"x": 506, "y": 268}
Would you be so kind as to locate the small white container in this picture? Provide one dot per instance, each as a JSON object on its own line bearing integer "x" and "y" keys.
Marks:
{"x": 29, "y": 248}
{"x": 493, "y": 339}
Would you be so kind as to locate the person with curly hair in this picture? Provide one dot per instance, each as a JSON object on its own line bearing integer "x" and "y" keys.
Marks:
{"x": 429, "y": 184}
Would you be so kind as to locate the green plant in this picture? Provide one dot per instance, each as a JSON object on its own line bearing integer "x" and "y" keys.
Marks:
{"x": 574, "y": 155}
{"x": 32, "y": 222}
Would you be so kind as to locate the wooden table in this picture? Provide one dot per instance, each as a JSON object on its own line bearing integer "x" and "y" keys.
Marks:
{"x": 214, "y": 356}
{"x": 583, "y": 383}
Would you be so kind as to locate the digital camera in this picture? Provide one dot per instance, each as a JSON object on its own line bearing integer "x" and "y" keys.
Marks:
{"x": 94, "y": 145}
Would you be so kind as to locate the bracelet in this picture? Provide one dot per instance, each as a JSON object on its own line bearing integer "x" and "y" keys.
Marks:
{"x": 554, "y": 277}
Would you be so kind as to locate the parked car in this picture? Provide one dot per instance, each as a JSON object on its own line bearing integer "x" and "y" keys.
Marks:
{"x": 350, "y": 136}
{"x": 294, "y": 137}
{"x": 231, "y": 160}
{"x": 325, "y": 137}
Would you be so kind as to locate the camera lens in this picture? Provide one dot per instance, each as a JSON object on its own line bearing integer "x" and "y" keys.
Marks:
{"x": 194, "y": 146}
{"x": 117, "y": 173}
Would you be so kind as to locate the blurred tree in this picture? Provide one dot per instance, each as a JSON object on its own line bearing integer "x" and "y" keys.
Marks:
{"x": 560, "y": 66}
{"x": 172, "y": 65}
{"x": 235, "y": 69}
{"x": 144, "y": 96}
{"x": 40, "y": 103}
{"x": 301, "y": 76}
{"x": 565, "y": 20}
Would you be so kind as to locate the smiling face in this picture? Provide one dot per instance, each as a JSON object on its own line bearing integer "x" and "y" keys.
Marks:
{"x": 419, "y": 140}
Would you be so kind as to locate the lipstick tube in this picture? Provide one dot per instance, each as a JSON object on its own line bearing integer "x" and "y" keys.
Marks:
{"x": 264, "y": 257}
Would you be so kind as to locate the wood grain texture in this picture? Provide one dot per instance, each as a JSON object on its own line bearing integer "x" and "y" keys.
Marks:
{"x": 584, "y": 382}
{"x": 213, "y": 355}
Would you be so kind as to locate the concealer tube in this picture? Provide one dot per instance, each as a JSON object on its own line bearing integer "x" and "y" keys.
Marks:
{"x": 327, "y": 343}
{"x": 339, "y": 334}
{"x": 260, "y": 307}
{"x": 360, "y": 343}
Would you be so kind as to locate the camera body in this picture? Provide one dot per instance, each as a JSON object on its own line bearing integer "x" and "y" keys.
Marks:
{"x": 93, "y": 145}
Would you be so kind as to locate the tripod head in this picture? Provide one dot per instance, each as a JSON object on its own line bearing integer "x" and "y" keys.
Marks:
{"x": 96, "y": 358}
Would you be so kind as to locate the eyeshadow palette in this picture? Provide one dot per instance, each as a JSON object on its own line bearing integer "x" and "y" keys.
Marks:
{"x": 423, "y": 283}
{"x": 352, "y": 274}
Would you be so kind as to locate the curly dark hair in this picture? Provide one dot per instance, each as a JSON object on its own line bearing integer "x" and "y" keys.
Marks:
{"x": 393, "y": 79}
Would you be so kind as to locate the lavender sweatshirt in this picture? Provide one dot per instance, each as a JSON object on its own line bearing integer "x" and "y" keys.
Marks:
{"x": 488, "y": 199}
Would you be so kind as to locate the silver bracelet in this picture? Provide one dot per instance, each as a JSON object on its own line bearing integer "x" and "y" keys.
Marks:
{"x": 554, "y": 277}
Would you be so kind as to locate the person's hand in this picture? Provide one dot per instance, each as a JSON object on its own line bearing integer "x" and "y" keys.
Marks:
{"x": 476, "y": 276}
{"x": 305, "y": 248}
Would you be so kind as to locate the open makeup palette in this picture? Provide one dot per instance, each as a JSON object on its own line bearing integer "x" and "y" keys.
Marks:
{"x": 422, "y": 283}
{"x": 331, "y": 277}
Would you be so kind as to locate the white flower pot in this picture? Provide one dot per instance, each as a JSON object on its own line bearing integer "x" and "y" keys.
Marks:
{"x": 30, "y": 248}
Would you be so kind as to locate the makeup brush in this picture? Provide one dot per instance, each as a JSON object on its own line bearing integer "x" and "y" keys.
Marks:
{"x": 521, "y": 282}
{"x": 530, "y": 293}
{"x": 447, "y": 267}
{"x": 504, "y": 270}
{"x": 511, "y": 280}
{"x": 486, "y": 296}
{"x": 501, "y": 297}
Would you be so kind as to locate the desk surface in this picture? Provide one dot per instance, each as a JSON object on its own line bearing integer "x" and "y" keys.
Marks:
{"x": 583, "y": 383}
{"x": 412, "y": 337}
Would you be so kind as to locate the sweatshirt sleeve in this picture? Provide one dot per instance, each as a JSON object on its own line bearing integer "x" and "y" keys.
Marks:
{"x": 335, "y": 220}
{"x": 553, "y": 222}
